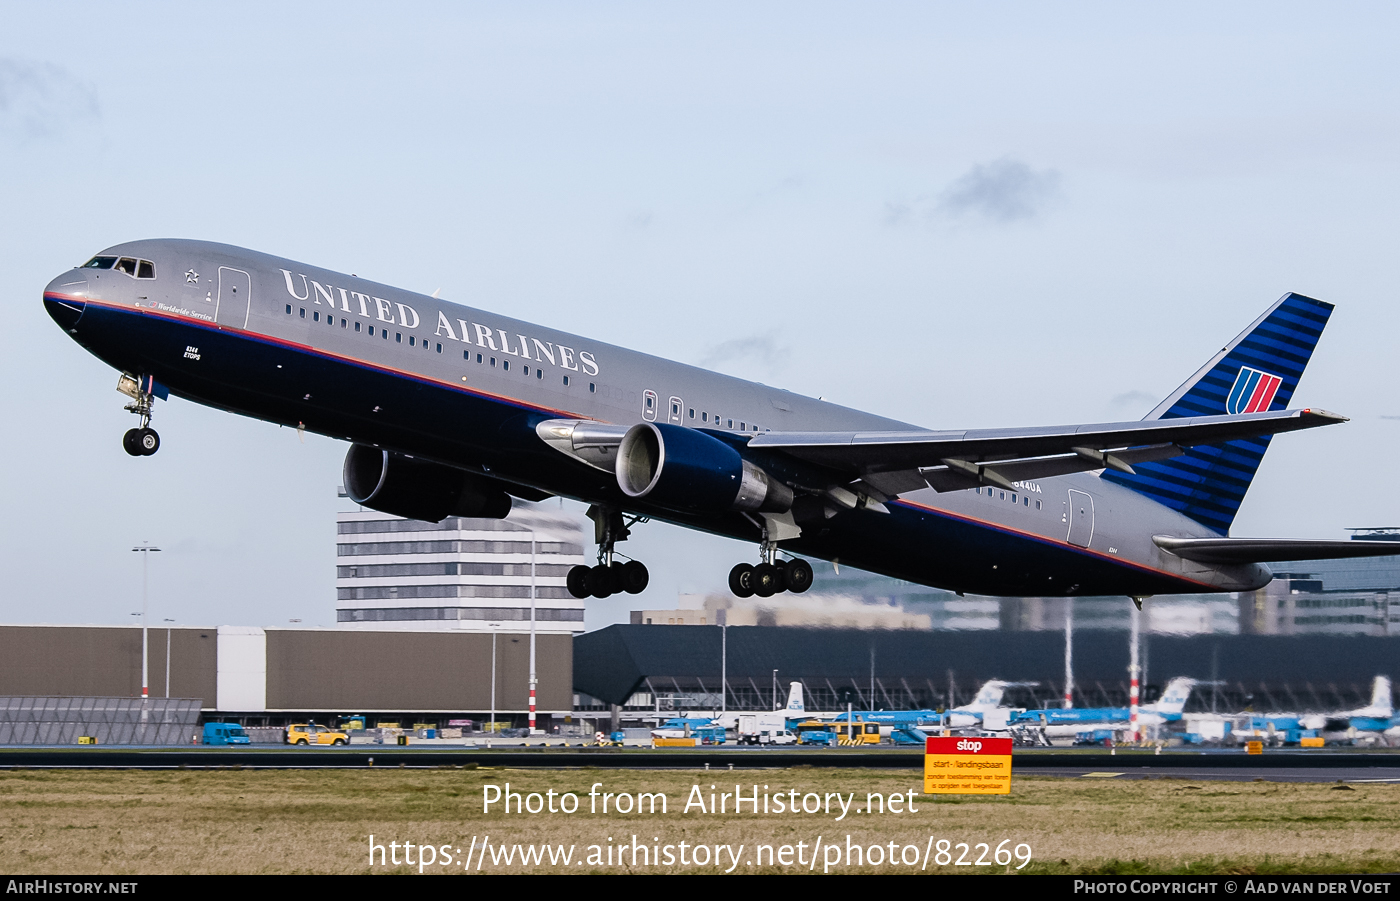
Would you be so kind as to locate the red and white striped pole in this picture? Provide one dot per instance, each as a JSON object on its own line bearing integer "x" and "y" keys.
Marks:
{"x": 1069, "y": 654}
{"x": 1133, "y": 734}
{"x": 532, "y": 632}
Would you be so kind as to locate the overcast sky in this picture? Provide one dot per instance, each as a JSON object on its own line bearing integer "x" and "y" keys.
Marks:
{"x": 955, "y": 215}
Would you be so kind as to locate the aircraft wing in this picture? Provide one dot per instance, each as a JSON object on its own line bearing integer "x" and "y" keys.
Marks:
{"x": 1266, "y": 550}
{"x": 894, "y": 462}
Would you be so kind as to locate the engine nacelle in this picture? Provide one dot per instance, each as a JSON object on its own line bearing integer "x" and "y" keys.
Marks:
{"x": 419, "y": 489}
{"x": 688, "y": 471}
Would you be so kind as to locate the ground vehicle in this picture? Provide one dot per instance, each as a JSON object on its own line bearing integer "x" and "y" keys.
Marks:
{"x": 858, "y": 733}
{"x": 312, "y": 734}
{"x": 225, "y": 734}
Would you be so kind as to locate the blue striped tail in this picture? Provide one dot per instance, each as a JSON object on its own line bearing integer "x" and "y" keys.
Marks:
{"x": 1257, "y": 371}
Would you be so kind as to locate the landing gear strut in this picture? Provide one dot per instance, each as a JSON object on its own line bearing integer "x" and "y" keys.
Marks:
{"x": 772, "y": 575}
{"x": 610, "y": 576}
{"x": 142, "y": 441}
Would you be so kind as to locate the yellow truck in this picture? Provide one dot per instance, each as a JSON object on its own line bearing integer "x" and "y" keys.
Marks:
{"x": 311, "y": 734}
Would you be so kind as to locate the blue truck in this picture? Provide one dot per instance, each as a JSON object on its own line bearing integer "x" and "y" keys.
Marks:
{"x": 225, "y": 734}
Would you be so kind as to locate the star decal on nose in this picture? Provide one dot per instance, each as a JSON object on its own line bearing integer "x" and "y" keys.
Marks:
{"x": 191, "y": 277}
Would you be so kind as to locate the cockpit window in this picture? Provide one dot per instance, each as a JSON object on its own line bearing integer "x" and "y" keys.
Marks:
{"x": 127, "y": 265}
{"x": 146, "y": 269}
{"x": 100, "y": 263}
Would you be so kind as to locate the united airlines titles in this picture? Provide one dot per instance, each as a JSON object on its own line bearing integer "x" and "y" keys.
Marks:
{"x": 404, "y": 315}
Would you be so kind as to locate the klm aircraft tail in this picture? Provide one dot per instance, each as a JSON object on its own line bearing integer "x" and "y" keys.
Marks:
{"x": 1173, "y": 699}
{"x": 795, "y": 706}
{"x": 1257, "y": 371}
{"x": 1380, "y": 698}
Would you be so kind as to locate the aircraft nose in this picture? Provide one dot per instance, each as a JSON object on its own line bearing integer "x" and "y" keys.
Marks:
{"x": 65, "y": 298}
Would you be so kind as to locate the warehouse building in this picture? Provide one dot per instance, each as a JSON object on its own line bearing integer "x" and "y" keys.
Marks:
{"x": 277, "y": 676}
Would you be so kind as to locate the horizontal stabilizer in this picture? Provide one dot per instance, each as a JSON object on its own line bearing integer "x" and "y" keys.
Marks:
{"x": 892, "y": 462}
{"x": 1269, "y": 550}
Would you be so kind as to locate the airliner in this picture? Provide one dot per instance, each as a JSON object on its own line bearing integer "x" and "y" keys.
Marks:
{"x": 1062, "y": 723}
{"x": 453, "y": 411}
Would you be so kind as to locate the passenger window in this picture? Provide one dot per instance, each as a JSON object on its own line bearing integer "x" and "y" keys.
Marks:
{"x": 371, "y": 331}
{"x": 1025, "y": 502}
{"x": 357, "y": 326}
{"x": 742, "y": 427}
{"x": 315, "y": 315}
{"x": 127, "y": 265}
{"x": 566, "y": 381}
{"x": 384, "y": 333}
{"x": 505, "y": 365}
{"x": 439, "y": 348}
{"x": 289, "y": 309}
{"x": 527, "y": 372}
{"x": 303, "y": 312}
{"x": 730, "y": 424}
{"x": 692, "y": 412}
{"x": 704, "y": 417}
{"x": 539, "y": 374}
{"x": 146, "y": 269}
{"x": 493, "y": 362}
{"x": 410, "y": 340}
{"x": 592, "y": 387}
{"x": 398, "y": 337}
{"x": 1013, "y": 498}
{"x": 467, "y": 355}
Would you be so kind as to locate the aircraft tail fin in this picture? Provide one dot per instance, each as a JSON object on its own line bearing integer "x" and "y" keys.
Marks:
{"x": 1257, "y": 371}
{"x": 1174, "y": 697}
{"x": 1380, "y": 697}
{"x": 795, "y": 707}
{"x": 988, "y": 696}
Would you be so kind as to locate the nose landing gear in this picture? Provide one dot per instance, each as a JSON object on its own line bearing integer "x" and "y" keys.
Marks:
{"x": 142, "y": 441}
{"x": 610, "y": 576}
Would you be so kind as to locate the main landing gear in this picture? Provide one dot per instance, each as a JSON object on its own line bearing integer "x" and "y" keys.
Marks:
{"x": 772, "y": 575}
{"x": 768, "y": 579}
{"x": 142, "y": 441}
{"x": 610, "y": 576}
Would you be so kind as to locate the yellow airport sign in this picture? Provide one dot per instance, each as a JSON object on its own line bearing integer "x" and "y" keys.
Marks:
{"x": 967, "y": 766}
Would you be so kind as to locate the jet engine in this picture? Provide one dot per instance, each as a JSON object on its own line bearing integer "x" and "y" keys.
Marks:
{"x": 419, "y": 489}
{"x": 689, "y": 471}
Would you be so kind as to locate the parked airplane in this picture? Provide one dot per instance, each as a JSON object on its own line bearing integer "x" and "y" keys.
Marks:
{"x": 1372, "y": 722}
{"x": 1061, "y": 723}
{"x": 451, "y": 410}
{"x": 983, "y": 710}
{"x": 775, "y": 720}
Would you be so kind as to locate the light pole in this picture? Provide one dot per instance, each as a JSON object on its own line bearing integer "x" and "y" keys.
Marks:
{"x": 167, "y": 658}
{"x": 145, "y": 550}
{"x": 490, "y": 727}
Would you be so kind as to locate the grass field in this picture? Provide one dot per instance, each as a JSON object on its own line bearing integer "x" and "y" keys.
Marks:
{"x": 279, "y": 821}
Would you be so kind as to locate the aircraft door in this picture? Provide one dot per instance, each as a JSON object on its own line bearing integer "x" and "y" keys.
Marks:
{"x": 649, "y": 404}
{"x": 1081, "y": 518}
{"x": 235, "y": 291}
{"x": 674, "y": 413}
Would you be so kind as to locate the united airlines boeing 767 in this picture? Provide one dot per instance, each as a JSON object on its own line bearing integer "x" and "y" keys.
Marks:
{"x": 451, "y": 410}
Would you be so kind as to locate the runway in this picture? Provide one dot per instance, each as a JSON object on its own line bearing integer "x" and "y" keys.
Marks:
{"x": 1231, "y": 765}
